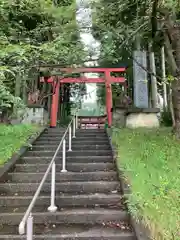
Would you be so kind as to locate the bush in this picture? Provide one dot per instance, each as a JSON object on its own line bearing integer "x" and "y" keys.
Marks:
{"x": 9, "y": 105}
{"x": 166, "y": 118}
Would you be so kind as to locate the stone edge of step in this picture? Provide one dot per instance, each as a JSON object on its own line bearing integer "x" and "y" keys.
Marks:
{"x": 142, "y": 232}
{"x": 122, "y": 236}
{"x": 16, "y": 156}
{"x": 91, "y": 216}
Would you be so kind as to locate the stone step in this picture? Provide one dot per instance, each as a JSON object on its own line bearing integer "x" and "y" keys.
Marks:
{"x": 74, "y": 167}
{"x": 74, "y": 147}
{"x": 63, "y": 177}
{"x": 84, "y": 153}
{"x": 44, "y": 208}
{"x": 78, "y": 130}
{"x": 69, "y": 159}
{"x": 78, "y": 133}
{"x": 90, "y": 236}
{"x": 97, "y": 130}
{"x": 74, "y": 142}
{"x": 66, "y": 200}
{"x": 78, "y": 138}
{"x": 72, "y": 232}
{"x": 65, "y": 187}
{"x": 67, "y": 216}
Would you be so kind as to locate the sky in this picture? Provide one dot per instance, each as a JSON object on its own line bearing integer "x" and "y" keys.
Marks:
{"x": 83, "y": 17}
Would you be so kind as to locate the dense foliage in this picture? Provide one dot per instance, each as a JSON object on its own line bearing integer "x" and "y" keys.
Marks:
{"x": 123, "y": 26}
{"x": 32, "y": 33}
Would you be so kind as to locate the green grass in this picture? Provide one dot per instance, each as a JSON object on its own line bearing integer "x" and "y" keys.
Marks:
{"x": 12, "y": 138}
{"x": 150, "y": 160}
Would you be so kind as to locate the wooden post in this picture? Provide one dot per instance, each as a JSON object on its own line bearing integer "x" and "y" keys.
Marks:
{"x": 163, "y": 66}
{"x": 153, "y": 79}
{"x": 54, "y": 105}
{"x": 108, "y": 98}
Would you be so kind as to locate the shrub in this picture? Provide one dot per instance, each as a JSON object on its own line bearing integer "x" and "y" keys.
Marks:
{"x": 9, "y": 105}
{"x": 166, "y": 118}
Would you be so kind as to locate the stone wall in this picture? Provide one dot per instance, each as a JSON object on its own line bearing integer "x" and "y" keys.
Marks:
{"x": 37, "y": 115}
{"x": 119, "y": 118}
{"x": 142, "y": 117}
{"x": 137, "y": 120}
{"x": 136, "y": 117}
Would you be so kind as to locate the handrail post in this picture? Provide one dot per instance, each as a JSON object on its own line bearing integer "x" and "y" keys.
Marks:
{"x": 74, "y": 127}
{"x": 29, "y": 233}
{"x": 27, "y": 219}
{"x": 76, "y": 121}
{"x": 52, "y": 207}
{"x": 64, "y": 157}
{"x": 70, "y": 140}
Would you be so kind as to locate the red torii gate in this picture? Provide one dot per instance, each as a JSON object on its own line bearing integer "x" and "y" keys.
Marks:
{"x": 108, "y": 79}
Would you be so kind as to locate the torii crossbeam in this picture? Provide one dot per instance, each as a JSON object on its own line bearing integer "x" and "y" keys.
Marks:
{"x": 107, "y": 79}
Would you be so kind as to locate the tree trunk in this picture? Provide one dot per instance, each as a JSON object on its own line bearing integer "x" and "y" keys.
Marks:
{"x": 18, "y": 86}
{"x": 176, "y": 104}
{"x": 172, "y": 44}
{"x": 24, "y": 92}
{"x": 154, "y": 91}
{"x": 163, "y": 67}
{"x": 176, "y": 82}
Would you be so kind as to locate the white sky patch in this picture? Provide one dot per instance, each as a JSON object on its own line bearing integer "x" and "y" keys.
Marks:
{"x": 84, "y": 20}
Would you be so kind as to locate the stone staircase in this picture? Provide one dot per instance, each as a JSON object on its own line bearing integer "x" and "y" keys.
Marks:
{"x": 88, "y": 196}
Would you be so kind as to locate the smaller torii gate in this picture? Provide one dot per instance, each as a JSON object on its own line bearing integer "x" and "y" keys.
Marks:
{"x": 107, "y": 79}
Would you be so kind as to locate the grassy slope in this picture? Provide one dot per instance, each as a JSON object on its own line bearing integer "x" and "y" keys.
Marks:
{"x": 151, "y": 162}
{"x": 12, "y": 138}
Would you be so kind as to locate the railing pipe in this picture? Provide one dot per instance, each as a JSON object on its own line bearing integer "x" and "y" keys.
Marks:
{"x": 64, "y": 157}
{"x": 74, "y": 127}
{"x": 26, "y": 215}
{"x": 30, "y": 227}
{"x": 28, "y": 219}
{"x": 53, "y": 207}
{"x": 70, "y": 140}
{"x": 76, "y": 121}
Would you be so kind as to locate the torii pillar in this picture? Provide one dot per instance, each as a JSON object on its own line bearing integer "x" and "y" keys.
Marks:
{"x": 55, "y": 103}
{"x": 108, "y": 98}
{"x": 108, "y": 80}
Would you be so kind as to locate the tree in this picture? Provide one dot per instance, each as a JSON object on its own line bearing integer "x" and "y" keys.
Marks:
{"x": 126, "y": 25}
{"x": 32, "y": 33}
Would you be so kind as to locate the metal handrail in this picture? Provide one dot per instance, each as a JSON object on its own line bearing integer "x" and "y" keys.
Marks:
{"x": 28, "y": 218}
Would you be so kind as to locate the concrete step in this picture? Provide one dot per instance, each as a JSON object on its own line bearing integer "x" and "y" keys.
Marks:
{"x": 67, "y": 216}
{"x": 84, "y": 153}
{"x": 91, "y": 130}
{"x": 78, "y": 130}
{"x": 78, "y": 133}
{"x": 65, "y": 187}
{"x": 63, "y": 177}
{"x": 74, "y": 142}
{"x": 88, "y": 197}
{"x": 72, "y": 232}
{"x": 51, "y": 130}
{"x": 78, "y": 138}
{"x": 74, "y": 167}
{"x": 90, "y": 236}
{"x": 66, "y": 200}
{"x": 69, "y": 159}
{"x": 44, "y": 208}
{"x": 74, "y": 147}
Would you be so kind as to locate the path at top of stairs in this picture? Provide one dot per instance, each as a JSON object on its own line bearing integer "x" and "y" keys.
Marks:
{"x": 88, "y": 196}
